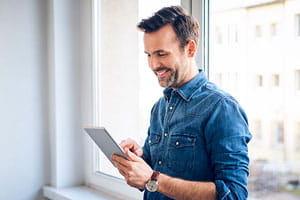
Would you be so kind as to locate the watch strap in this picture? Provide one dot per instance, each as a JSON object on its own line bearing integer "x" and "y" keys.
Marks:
{"x": 155, "y": 175}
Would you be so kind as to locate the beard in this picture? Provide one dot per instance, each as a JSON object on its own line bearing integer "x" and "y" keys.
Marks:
{"x": 171, "y": 81}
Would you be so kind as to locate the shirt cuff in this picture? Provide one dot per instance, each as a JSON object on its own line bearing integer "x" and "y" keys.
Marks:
{"x": 222, "y": 190}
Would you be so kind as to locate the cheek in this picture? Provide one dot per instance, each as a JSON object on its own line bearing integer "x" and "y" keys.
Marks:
{"x": 171, "y": 62}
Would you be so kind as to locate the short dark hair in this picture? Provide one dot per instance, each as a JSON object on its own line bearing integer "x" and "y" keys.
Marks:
{"x": 185, "y": 26}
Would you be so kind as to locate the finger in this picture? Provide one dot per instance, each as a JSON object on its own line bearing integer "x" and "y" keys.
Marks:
{"x": 127, "y": 144}
{"x": 132, "y": 156}
{"x": 123, "y": 165}
{"x": 139, "y": 152}
{"x": 119, "y": 160}
{"x": 132, "y": 146}
{"x": 123, "y": 173}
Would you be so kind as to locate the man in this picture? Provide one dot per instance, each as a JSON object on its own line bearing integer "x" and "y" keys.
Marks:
{"x": 197, "y": 140}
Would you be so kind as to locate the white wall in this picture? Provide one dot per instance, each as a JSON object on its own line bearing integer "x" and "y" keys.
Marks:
{"x": 24, "y": 154}
{"x": 44, "y": 69}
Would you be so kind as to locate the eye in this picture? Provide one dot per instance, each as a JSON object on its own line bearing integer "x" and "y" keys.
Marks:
{"x": 162, "y": 54}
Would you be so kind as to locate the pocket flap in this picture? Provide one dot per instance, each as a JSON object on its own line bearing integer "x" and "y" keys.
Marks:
{"x": 182, "y": 140}
{"x": 154, "y": 138}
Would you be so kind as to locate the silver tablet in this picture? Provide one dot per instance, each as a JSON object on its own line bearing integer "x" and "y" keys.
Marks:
{"x": 105, "y": 142}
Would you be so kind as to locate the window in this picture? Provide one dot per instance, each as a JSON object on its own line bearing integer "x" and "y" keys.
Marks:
{"x": 298, "y": 25}
{"x": 297, "y": 80}
{"x": 278, "y": 135}
{"x": 128, "y": 88}
{"x": 273, "y": 29}
{"x": 271, "y": 115}
{"x": 120, "y": 68}
{"x": 125, "y": 89}
{"x": 297, "y": 137}
{"x": 275, "y": 80}
{"x": 258, "y": 31}
{"x": 236, "y": 34}
{"x": 259, "y": 81}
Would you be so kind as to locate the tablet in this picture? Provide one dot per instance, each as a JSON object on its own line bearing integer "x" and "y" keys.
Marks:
{"x": 105, "y": 142}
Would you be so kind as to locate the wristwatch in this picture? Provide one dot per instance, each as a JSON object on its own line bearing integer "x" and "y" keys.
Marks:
{"x": 152, "y": 184}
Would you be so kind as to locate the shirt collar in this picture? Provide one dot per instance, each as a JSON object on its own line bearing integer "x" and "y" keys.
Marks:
{"x": 187, "y": 90}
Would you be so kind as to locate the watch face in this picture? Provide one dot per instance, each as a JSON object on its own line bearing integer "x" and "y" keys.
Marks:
{"x": 152, "y": 186}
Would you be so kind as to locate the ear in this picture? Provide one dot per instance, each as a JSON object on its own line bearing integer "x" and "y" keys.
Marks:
{"x": 191, "y": 48}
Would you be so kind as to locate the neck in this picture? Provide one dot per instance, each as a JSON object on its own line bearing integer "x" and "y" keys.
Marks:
{"x": 191, "y": 74}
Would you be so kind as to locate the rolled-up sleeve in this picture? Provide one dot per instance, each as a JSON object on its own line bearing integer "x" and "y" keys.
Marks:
{"x": 227, "y": 137}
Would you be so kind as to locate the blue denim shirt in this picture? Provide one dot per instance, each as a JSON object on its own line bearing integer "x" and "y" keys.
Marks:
{"x": 199, "y": 133}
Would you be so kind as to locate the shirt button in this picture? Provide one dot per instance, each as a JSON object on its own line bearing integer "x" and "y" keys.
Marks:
{"x": 171, "y": 108}
{"x": 149, "y": 141}
{"x": 166, "y": 134}
{"x": 177, "y": 143}
{"x": 160, "y": 162}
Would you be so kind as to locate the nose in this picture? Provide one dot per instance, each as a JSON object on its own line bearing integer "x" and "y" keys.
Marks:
{"x": 153, "y": 62}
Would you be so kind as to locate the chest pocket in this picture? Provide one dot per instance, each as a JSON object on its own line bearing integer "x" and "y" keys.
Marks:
{"x": 181, "y": 152}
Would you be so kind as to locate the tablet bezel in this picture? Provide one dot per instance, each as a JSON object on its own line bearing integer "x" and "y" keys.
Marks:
{"x": 105, "y": 142}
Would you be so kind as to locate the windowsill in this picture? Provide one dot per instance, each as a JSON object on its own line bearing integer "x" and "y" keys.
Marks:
{"x": 75, "y": 193}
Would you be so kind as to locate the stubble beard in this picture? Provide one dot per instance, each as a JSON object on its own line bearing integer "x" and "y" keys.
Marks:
{"x": 171, "y": 81}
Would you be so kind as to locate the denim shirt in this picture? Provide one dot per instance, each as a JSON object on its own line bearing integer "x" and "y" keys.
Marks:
{"x": 199, "y": 133}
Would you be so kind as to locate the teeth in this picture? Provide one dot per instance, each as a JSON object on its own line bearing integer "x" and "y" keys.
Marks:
{"x": 161, "y": 72}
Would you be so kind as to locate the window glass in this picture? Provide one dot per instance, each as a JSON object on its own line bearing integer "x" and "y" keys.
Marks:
{"x": 297, "y": 140}
{"x": 258, "y": 31}
{"x": 260, "y": 64}
{"x": 128, "y": 89}
{"x": 273, "y": 29}
{"x": 298, "y": 24}
{"x": 275, "y": 80}
{"x": 297, "y": 80}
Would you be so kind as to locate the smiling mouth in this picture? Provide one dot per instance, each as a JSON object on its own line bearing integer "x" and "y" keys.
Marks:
{"x": 162, "y": 72}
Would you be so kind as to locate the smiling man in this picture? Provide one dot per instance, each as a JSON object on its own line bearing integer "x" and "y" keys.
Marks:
{"x": 173, "y": 65}
{"x": 197, "y": 139}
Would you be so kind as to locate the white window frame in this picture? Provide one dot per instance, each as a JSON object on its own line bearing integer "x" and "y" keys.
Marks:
{"x": 94, "y": 179}
{"x": 101, "y": 181}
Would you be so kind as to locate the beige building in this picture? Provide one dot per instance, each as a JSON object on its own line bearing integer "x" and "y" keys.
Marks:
{"x": 255, "y": 54}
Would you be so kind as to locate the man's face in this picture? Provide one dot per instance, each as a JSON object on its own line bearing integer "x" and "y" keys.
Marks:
{"x": 166, "y": 59}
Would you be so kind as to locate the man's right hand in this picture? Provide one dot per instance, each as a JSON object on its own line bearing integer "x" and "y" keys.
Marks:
{"x": 132, "y": 146}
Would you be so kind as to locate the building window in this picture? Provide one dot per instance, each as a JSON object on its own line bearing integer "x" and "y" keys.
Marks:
{"x": 275, "y": 80}
{"x": 273, "y": 29}
{"x": 297, "y": 136}
{"x": 236, "y": 34}
{"x": 298, "y": 25}
{"x": 259, "y": 80}
{"x": 297, "y": 80}
{"x": 278, "y": 133}
{"x": 258, "y": 31}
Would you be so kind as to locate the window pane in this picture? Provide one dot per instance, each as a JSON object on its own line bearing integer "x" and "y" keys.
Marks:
{"x": 275, "y": 80}
{"x": 298, "y": 24}
{"x": 128, "y": 88}
{"x": 273, "y": 29}
{"x": 266, "y": 71}
{"x": 297, "y": 80}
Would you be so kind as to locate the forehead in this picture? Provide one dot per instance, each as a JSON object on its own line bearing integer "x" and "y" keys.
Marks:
{"x": 165, "y": 39}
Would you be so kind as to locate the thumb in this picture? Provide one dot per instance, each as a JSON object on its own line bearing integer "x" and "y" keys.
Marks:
{"x": 132, "y": 156}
